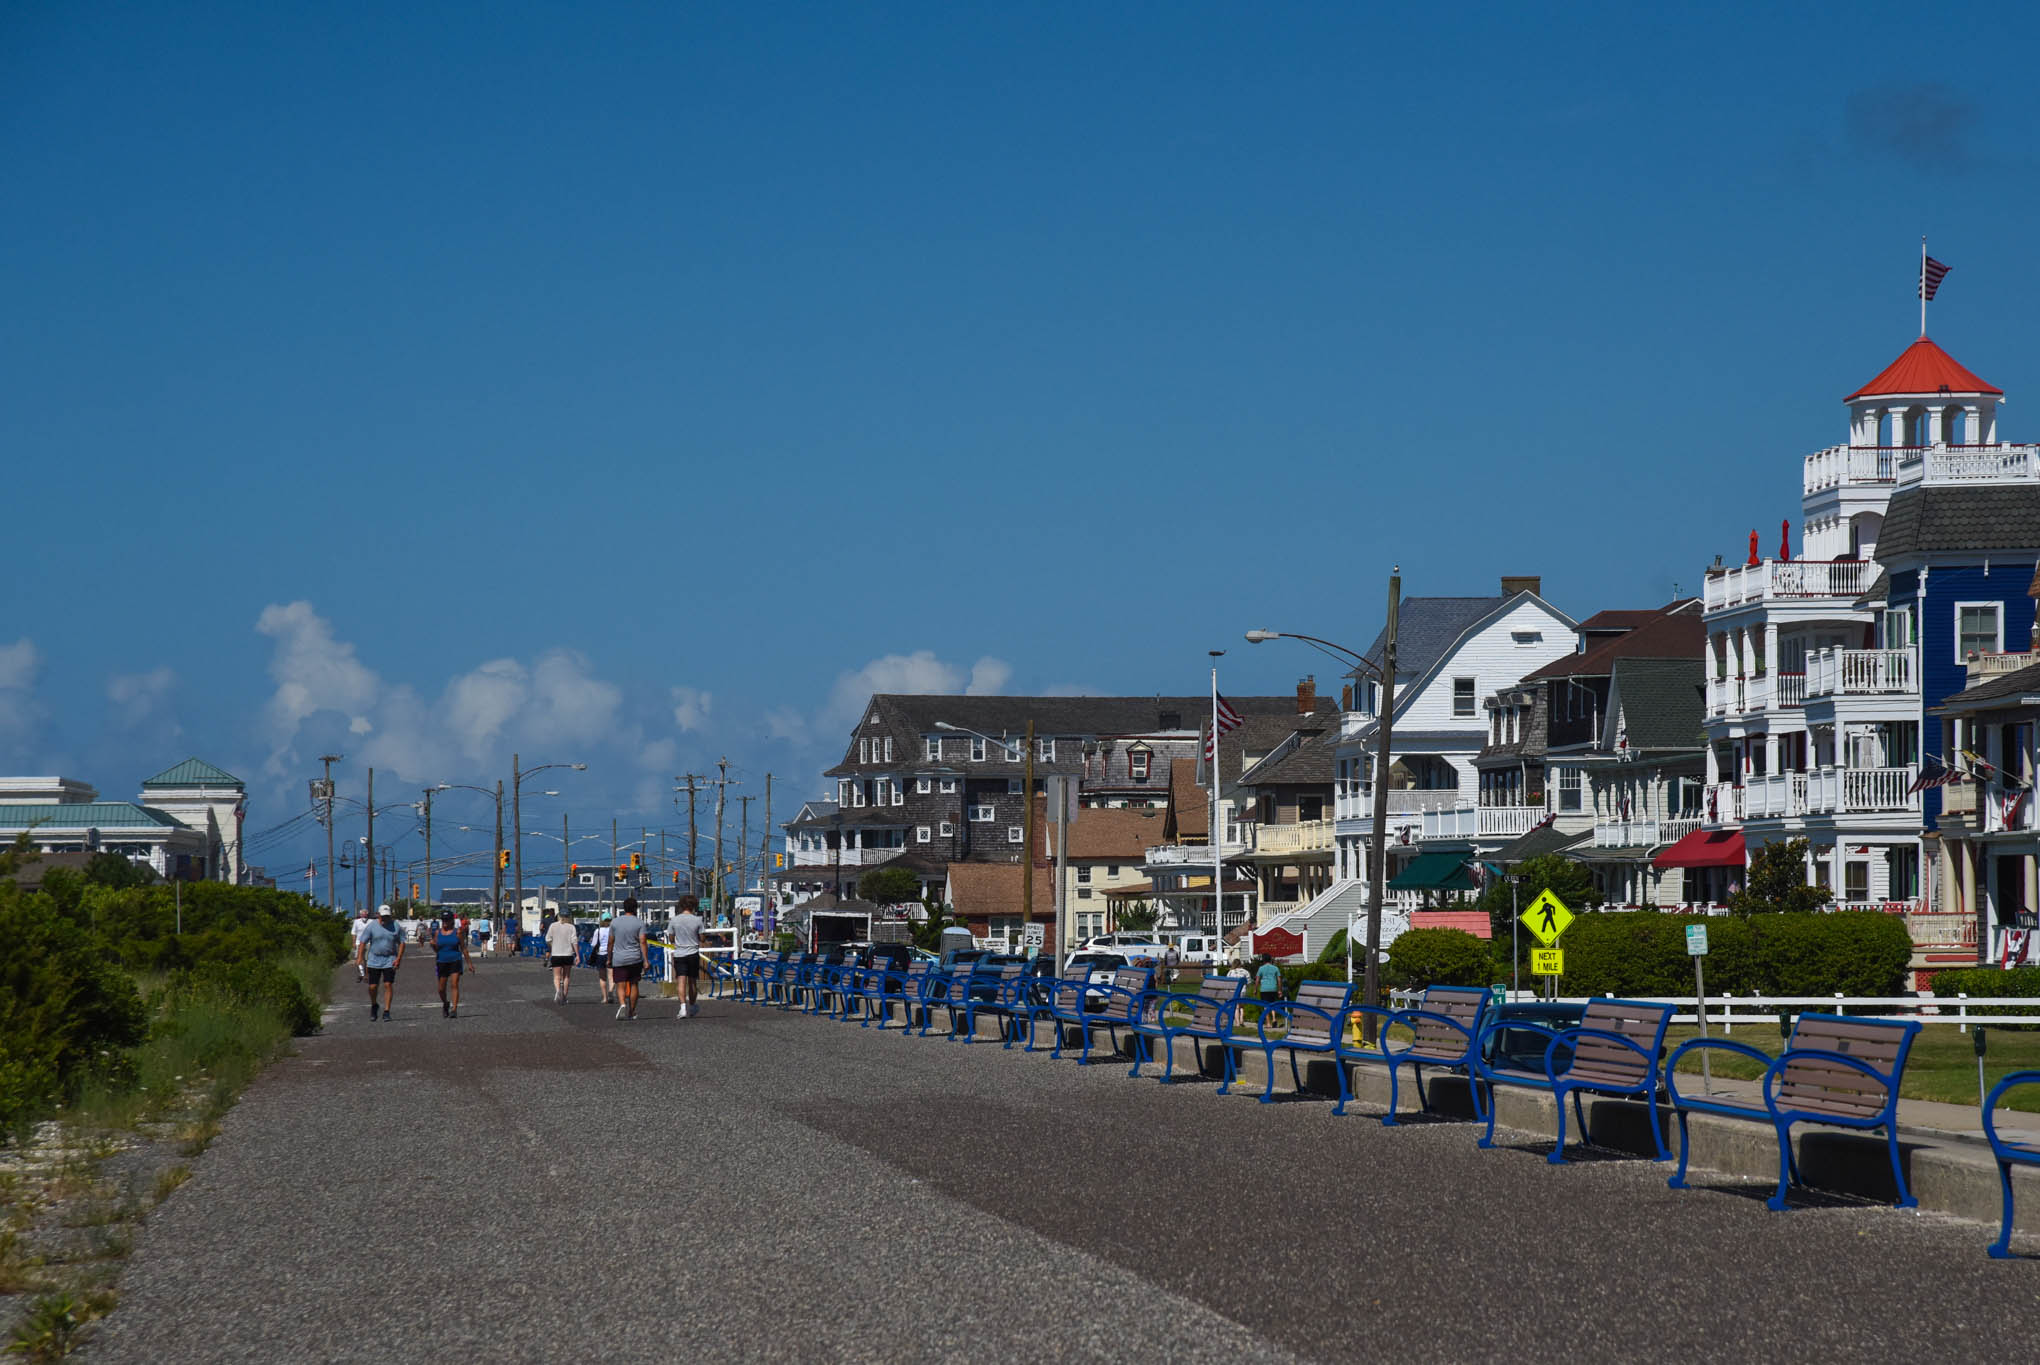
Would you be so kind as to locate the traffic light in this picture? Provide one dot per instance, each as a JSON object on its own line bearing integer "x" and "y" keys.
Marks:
{"x": 414, "y": 891}
{"x": 573, "y": 869}
{"x": 637, "y": 860}
{"x": 676, "y": 878}
{"x": 622, "y": 871}
{"x": 502, "y": 857}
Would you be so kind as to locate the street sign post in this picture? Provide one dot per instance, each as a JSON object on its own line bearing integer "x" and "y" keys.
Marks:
{"x": 1696, "y": 945}
{"x": 1547, "y": 962}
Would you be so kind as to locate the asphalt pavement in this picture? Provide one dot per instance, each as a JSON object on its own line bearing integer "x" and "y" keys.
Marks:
{"x": 531, "y": 1182}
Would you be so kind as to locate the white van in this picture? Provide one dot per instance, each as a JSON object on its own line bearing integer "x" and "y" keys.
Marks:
{"x": 1202, "y": 950}
{"x": 1132, "y": 947}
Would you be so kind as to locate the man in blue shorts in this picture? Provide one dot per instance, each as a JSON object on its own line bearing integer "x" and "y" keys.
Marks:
{"x": 379, "y": 954}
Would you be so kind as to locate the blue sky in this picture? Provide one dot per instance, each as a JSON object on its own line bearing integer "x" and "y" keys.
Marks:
{"x": 639, "y": 384}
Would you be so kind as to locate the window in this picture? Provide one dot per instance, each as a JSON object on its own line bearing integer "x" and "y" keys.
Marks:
{"x": 1012, "y": 786}
{"x": 1977, "y": 630}
{"x": 949, "y": 784}
{"x": 843, "y": 792}
{"x": 1112, "y": 870}
{"x": 1898, "y": 631}
{"x": 1013, "y": 747}
{"x": 922, "y": 786}
{"x": 1526, "y": 637}
{"x": 899, "y": 793}
{"x": 977, "y": 749}
{"x": 1855, "y": 880}
{"x": 587, "y": 879}
{"x": 1137, "y": 765}
{"x": 864, "y": 751}
{"x": 1045, "y": 750}
{"x": 1015, "y": 834}
{"x": 921, "y": 834}
{"x": 888, "y": 748}
{"x": 1083, "y": 893}
{"x": 857, "y": 793}
{"x": 931, "y": 747}
{"x": 983, "y": 815}
{"x": 1569, "y": 789}
{"x": 948, "y": 829}
{"x": 1462, "y": 696}
{"x": 1083, "y": 874}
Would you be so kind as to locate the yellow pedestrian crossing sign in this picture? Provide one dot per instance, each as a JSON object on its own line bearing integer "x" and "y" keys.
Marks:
{"x": 1547, "y": 918}
{"x": 1547, "y": 962}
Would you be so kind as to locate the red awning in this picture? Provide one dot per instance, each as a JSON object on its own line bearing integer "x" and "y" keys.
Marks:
{"x": 1705, "y": 848}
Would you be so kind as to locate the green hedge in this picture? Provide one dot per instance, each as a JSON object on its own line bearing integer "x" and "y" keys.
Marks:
{"x": 1438, "y": 957}
{"x": 1642, "y": 953}
{"x": 65, "y": 1007}
{"x": 1989, "y": 981}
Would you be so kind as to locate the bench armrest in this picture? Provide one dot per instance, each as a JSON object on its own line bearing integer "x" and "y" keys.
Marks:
{"x": 1711, "y": 1044}
{"x": 1888, "y": 1079}
{"x": 2016, "y": 1079}
{"x": 1288, "y": 1009}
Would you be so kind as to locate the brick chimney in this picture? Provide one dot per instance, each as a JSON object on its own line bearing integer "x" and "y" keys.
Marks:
{"x": 1346, "y": 697}
{"x": 1306, "y": 695}
{"x": 1514, "y": 583}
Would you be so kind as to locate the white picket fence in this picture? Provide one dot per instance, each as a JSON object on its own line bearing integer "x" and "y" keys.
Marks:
{"x": 1726, "y": 1011}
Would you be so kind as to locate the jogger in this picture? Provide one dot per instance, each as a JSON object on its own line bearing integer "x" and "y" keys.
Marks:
{"x": 450, "y": 951}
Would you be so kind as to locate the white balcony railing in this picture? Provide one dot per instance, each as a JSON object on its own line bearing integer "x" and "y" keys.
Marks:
{"x": 1940, "y": 929}
{"x": 1642, "y": 833}
{"x": 1787, "y": 580}
{"x": 1842, "y": 465}
{"x": 1774, "y": 796}
{"x": 1981, "y": 666}
{"x": 1481, "y": 822}
{"x": 1306, "y": 836}
{"x": 1845, "y": 791}
{"x": 1968, "y": 464}
{"x": 1724, "y": 804}
{"x": 1862, "y": 672}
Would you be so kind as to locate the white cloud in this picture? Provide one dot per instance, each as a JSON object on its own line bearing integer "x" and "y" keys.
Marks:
{"x": 917, "y": 673}
{"x": 691, "y": 707}
{"x": 143, "y": 698}
{"x": 568, "y": 703}
{"x": 314, "y": 672}
{"x": 21, "y": 713}
{"x": 658, "y": 756}
{"x": 988, "y": 677}
{"x": 481, "y": 703}
{"x": 785, "y": 723}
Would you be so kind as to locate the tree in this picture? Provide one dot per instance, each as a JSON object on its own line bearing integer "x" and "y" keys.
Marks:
{"x": 1561, "y": 876}
{"x": 889, "y": 886}
{"x": 927, "y": 933}
{"x": 1777, "y": 882}
{"x": 118, "y": 871}
{"x": 1136, "y": 918}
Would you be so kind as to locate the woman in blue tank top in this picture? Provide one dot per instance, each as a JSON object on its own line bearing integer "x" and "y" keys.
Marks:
{"x": 450, "y": 954}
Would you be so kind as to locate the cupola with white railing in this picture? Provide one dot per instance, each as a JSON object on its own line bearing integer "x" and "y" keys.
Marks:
{"x": 1924, "y": 398}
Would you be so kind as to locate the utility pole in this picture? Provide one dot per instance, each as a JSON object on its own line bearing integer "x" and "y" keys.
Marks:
{"x": 496, "y": 863}
{"x": 1370, "y": 993}
{"x": 566, "y": 872}
{"x": 1027, "y": 834}
{"x": 428, "y": 850}
{"x": 722, "y": 786}
{"x": 1061, "y": 787}
{"x": 666, "y": 869}
{"x": 743, "y": 852}
{"x": 771, "y": 902}
{"x": 693, "y": 855}
{"x": 332, "y": 885}
{"x": 369, "y": 842}
{"x": 517, "y": 833}
{"x": 612, "y": 860}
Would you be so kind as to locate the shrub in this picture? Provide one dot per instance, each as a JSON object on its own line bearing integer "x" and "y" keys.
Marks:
{"x": 1308, "y": 971}
{"x": 1335, "y": 950}
{"x": 1989, "y": 981}
{"x": 1437, "y": 957}
{"x": 1776, "y": 882}
{"x": 262, "y": 984}
{"x": 1644, "y": 954}
{"x": 62, "y": 1005}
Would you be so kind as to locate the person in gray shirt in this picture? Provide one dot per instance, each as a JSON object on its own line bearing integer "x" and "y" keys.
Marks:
{"x": 379, "y": 953}
{"x": 685, "y": 932}
{"x": 627, "y": 957}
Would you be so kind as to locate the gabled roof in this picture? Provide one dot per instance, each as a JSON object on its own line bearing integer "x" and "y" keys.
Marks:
{"x": 2004, "y": 687}
{"x": 1675, "y": 632}
{"x": 1924, "y": 519}
{"x": 1662, "y": 704}
{"x": 1307, "y": 761}
{"x": 1114, "y": 832}
{"x": 193, "y": 772}
{"x": 1925, "y": 368}
{"x": 1426, "y": 627}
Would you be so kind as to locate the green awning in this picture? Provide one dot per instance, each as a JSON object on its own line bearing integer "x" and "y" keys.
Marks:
{"x": 1434, "y": 872}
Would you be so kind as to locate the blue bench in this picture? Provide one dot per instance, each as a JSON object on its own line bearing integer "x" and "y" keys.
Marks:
{"x": 1445, "y": 1029}
{"x": 1045, "y": 995}
{"x": 902, "y": 988}
{"x": 993, "y": 990}
{"x": 1164, "y": 1016}
{"x": 1834, "y": 1070}
{"x": 1311, "y": 1023}
{"x": 1615, "y": 1052}
{"x": 1111, "y": 1007}
{"x": 2008, "y": 1153}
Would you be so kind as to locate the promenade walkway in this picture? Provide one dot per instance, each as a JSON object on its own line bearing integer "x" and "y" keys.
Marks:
{"x": 530, "y": 1183}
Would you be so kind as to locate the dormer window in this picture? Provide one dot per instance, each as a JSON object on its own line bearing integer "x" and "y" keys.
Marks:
{"x": 931, "y": 748}
{"x": 1137, "y": 761}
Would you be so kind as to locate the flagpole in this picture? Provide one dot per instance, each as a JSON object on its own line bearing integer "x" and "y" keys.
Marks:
{"x": 1923, "y": 285}
{"x": 1217, "y": 846}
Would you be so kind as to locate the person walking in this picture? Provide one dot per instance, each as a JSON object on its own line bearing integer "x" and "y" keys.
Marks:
{"x": 684, "y": 929}
{"x": 362, "y": 922}
{"x": 627, "y": 957}
{"x": 379, "y": 954}
{"x": 561, "y": 945}
{"x": 450, "y": 956}
{"x": 1269, "y": 980}
{"x": 598, "y": 958}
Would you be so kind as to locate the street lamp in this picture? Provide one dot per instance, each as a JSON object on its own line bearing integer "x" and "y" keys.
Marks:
{"x": 1377, "y": 854}
{"x": 517, "y": 780}
{"x": 1026, "y": 830}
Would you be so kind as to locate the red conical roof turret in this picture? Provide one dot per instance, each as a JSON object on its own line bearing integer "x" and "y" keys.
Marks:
{"x": 1923, "y": 367}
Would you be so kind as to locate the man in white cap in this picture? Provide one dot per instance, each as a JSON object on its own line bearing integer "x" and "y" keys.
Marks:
{"x": 381, "y": 952}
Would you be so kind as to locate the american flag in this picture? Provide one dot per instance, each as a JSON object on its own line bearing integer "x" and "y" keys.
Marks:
{"x": 1932, "y": 272}
{"x": 1933, "y": 773}
{"x": 1228, "y": 719}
